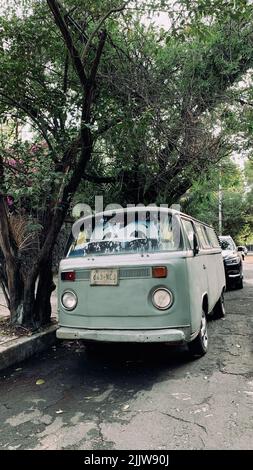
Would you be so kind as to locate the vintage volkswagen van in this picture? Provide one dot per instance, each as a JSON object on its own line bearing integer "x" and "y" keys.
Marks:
{"x": 141, "y": 275}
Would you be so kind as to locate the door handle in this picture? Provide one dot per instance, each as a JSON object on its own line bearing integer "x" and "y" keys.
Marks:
{"x": 204, "y": 266}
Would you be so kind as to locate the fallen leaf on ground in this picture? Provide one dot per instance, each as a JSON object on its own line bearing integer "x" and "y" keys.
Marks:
{"x": 40, "y": 382}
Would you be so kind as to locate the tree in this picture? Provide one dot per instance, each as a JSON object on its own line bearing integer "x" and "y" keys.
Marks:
{"x": 37, "y": 96}
{"x": 178, "y": 88}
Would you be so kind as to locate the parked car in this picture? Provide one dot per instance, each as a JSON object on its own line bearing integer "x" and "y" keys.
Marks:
{"x": 232, "y": 262}
{"x": 141, "y": 276}
{"x": 243, "y": 250}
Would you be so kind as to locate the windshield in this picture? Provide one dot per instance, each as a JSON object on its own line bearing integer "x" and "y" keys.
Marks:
{"x": 126, "y": 232}
{"x": 227, "y": 245}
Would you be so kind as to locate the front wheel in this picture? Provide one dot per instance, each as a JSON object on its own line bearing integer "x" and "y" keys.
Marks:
{"x": 239, "y": 284}
{"x": 198, "y": 347}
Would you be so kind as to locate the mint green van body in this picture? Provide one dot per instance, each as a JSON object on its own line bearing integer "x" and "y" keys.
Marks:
{"x": 123, "y": 308}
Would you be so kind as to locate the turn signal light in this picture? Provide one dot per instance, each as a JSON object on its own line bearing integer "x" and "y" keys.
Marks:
{"x": 159, "y": 271}
{"x": 68, "y": 276}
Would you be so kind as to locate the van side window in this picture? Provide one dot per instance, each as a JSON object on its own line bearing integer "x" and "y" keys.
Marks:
{"x": 212, "y": 237}
{"x": 202, "y": 236}
{"x": 208, "y": 243}
{"x": 189, "y": 230}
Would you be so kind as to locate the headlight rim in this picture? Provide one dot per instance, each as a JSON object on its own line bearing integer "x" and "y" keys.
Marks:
{"x": 163, "y": 288}
{"x": 69, "y": 291}
{"x": 232, "y": 260}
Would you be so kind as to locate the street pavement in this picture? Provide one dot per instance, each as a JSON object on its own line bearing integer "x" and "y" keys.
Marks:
{"x": 137, "y": 397}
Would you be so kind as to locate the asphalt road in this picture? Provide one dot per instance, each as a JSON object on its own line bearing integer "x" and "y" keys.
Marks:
{"x": 145, "y": 397}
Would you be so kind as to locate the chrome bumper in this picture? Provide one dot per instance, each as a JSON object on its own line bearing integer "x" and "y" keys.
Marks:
{"x": 123, "y": 336}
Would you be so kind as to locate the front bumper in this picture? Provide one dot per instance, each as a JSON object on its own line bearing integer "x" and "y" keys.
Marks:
{"x": 123, "y": 336}
{"x": 233, "y": 272}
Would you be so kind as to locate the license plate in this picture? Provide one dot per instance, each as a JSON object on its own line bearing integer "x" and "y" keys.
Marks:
{"x": 104, "y": 277}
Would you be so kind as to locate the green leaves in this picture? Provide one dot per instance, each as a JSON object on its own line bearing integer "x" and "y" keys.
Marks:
{"x": 159, "y": 93}
{"x": 202, "y": 200}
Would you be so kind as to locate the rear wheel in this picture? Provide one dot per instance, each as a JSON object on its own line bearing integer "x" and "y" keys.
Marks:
{"x": 198, "y": 347}
{"x": 219, "y": 309}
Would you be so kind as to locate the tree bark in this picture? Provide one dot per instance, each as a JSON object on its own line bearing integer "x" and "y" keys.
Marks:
{"x": 28, "y": 304}
{"x": 42, "y": 305}
{"x": 15, "y": 283}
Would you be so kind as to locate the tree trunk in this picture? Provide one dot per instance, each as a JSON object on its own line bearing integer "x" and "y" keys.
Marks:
{"x": 15, "y": 292}
{"x": 14, "y": 282}
{"x": 29, "y": 304}
{"x": 42, "y": 305}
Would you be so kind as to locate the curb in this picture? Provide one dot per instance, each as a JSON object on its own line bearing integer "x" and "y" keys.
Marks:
{"x": 19, "y": 349}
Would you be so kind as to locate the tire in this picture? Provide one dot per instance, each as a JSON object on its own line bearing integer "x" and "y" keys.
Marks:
{"x": 219, "y": 309}
{"x": 198, "y": 347}
{"x": 239, "y": 284}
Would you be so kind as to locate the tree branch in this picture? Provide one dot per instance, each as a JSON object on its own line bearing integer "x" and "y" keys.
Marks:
{"x": 65, "y": 77}
{"x": 107, "y": 126}
{"x": 71, "y": 151}
{"x": 33, "y": 114}
{"x": 6, "y": 240}
{"x": 96, "y": 61}
{"x": 74, "y": 54}
{"x": 99, "y": 179}
{"x": 97, "y": 28}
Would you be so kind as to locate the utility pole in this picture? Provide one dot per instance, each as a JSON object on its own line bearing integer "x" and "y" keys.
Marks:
{"x": 220, "y": 203}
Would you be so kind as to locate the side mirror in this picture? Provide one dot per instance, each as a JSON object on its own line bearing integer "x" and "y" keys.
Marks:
{"x": 195, "y": 245}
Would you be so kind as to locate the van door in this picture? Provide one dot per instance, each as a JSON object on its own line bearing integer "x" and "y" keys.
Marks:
{"x": 217, "y": 268}
{"x": 210, "y": 266}
{"x": 197, "y": 275}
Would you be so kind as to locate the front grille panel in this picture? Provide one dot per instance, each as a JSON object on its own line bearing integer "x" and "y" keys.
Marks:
{"x": 124, "y": 273}
{"x": 128, "y": 273}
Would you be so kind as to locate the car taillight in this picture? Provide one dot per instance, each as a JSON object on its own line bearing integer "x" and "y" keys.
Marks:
{"x": 159, "y": 271}
{"x": 68, "y": 276}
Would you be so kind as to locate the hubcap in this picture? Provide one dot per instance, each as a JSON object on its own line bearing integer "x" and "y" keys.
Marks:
{"x": 203, "y": 330}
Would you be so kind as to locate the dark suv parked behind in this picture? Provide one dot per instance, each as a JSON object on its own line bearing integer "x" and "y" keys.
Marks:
{"x": 232, "y": 262}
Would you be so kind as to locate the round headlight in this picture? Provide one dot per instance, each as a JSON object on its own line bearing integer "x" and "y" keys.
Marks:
{"x": 162, "y": 298}
{"x": 69, "y": 300}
